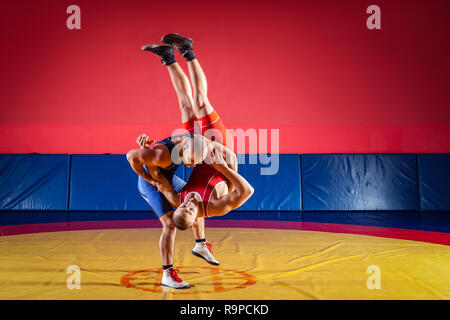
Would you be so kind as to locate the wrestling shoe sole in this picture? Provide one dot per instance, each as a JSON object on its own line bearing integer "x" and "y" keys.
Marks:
{"x": 200, "y": 256}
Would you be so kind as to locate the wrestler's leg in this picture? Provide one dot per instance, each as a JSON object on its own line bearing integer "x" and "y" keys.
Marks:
{"x": 164, "y": 212}
{"x": 166, "y": 245}
{"x": 167, "y": 239}
{"x": 184, "y": 45}
{"x": 198, "y": 229}
{"x": 184, "y": 92}
{"x": 162, "y": 209}
{"x": 202, "y": 106}
{"x": 179, "y": 79}
{"x": 212, "y": 126}
{"x": 202, "y": 248}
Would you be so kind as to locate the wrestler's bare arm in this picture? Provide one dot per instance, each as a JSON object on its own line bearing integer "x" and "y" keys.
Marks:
{"x": 231, "y": 161}
{"x": 232, "y": 200}
{"x": 165, "y": 187}
{"x": 228, "y": 155}
{"x": 156, "y": 157}
{"x": 159, "y": 156}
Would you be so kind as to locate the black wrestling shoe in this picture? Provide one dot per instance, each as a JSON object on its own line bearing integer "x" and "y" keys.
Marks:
{"x": 182, "y": 44}
{"x": 163, "y": 51}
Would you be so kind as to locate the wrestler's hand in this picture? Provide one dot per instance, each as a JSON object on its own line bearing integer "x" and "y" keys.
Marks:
{"x": 144, "y": 142}
{"x": 216, "y": 159}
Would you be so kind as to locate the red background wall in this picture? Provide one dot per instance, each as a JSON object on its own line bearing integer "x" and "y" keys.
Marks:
{"x": 309, "y": 68}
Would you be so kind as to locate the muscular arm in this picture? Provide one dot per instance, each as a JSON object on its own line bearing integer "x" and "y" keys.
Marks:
{"x": 171, "y": 195}
{"x": 228, "y": 155}
{"x": 230, "y": 159}
{"x": 233, "y": 200}
{"x": 150, "y": 158}
{"x": 165, "y": 187}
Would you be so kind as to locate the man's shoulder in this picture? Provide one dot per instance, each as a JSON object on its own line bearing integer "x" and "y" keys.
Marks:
{"x": 162, "y": 154}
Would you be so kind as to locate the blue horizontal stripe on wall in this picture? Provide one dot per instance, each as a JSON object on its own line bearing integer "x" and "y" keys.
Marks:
{"x": 330, "y": 183}
{"x": 434, "y": 181}
{"x": 103, "y": 183}
{"x": 275, "y": 178}
{"x": 33, "y": 181}
{"x": 360, "y": 182}
{"x": 277, "y": 185}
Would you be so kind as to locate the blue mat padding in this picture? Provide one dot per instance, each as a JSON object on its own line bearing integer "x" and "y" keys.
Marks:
{"x": 434, "y": 181}
{"x": 285, "y": 183}
{"x": 391, "y": 190}
{"x": 34, "y": 181}
{"x": 103, "y": 183}
{"x": 360, "y": 182}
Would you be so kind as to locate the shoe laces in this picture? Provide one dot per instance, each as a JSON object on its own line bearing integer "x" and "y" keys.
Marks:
{"x": 174, "y": 275}
{"x": 177, "y": 46}
{"x": 209, "y": 246}
{"x": 180, "y": 47}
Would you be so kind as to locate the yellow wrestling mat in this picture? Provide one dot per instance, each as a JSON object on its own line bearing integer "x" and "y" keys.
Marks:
{"x": 256, "y": 264}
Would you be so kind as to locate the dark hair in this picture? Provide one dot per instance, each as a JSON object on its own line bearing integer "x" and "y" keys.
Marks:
{"x": 179, "y": 221}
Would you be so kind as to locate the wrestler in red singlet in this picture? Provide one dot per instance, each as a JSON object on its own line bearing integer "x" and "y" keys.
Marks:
{"x": 210, "y": 121}
{"x": 202, "y": 181}
{"x": 204, "y": 178}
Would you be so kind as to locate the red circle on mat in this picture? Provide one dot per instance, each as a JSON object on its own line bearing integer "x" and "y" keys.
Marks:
{"x": 222, "y": 280}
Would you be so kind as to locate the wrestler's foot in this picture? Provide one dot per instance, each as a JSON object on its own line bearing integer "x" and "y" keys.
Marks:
{"x": 165, "y": 52}
{"x": 182, "y": 44}
{"x": 204, "y": 250}
{"x": 171, "y": 279}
